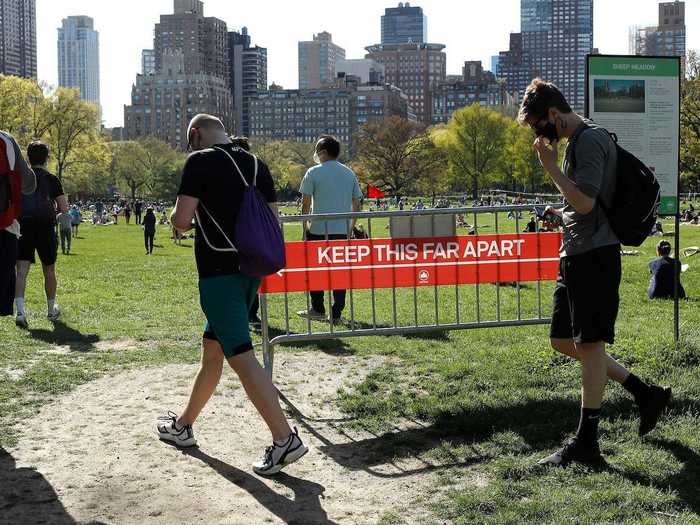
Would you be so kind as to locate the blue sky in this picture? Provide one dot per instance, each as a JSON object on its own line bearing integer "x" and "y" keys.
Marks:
{"x": 471, "y": 29}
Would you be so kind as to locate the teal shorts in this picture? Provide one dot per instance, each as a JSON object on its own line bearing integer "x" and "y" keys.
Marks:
{"x": 226, "y": 301}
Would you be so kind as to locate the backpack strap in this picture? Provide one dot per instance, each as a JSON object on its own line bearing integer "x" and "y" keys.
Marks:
{"x": 235, "y": 164}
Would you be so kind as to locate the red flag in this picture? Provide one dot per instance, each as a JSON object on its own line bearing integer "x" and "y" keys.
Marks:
{"x": 374, "y": 193}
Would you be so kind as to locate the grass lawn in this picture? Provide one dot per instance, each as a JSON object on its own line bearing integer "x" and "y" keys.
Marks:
{"x": 491, "y": 402}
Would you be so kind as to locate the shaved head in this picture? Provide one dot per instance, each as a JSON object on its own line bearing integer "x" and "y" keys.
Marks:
{"x": 208, "y": 122}
{"x": 205, "y": 131}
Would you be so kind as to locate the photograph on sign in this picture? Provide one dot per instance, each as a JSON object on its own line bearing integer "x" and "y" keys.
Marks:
{"x": 638, "y": 99}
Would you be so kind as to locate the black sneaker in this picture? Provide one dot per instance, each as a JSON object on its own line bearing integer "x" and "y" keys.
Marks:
{"x": 574, "y": 450}
{"x": 651, "y": 409}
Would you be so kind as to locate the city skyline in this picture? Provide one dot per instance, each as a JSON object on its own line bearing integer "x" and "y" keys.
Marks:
{"x": 447, "y": 26}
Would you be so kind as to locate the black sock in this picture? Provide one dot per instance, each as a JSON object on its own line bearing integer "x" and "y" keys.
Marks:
{"x": 588, "y": 425}
{"x": 638, "y": 388}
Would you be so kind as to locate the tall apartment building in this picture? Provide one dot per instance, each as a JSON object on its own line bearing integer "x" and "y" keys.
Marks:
{"x": 79, "y": 57}
{"x": 404, "y": 24}
{"x": 304, "y": 115}
{"x": 248, "y": 75}
{"x": 191, "y": 76}
{"x": 148, "y": 62}
{"x": 202, "y": 40}
{"x": 665, "y": 39}
{"x": 476, "y": 86}
{"x": 317, "y": 60}
{"x": 556, "y": 36}
{"x": 18, "y": 38}
{"x": 416, "y": 69}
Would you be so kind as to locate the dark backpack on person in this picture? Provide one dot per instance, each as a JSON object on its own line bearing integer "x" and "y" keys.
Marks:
{"x": 39, "y": 205}
{"x": 259, "y": 240}
{"x": 635, "y": 204}
{"x": 10, "y": 184}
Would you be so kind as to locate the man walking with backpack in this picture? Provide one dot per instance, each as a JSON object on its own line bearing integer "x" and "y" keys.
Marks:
{"x": 16, "y": 179}
{"x": 38, "y": 227}
{"x": 586, "y": 297}
{"x": 214, "y": 181}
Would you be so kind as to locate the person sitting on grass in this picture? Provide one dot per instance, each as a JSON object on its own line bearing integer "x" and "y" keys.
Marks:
{"x": 662, "y": 274}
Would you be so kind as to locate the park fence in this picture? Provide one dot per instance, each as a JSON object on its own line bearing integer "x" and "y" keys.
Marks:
{"x": 410, "y": 273}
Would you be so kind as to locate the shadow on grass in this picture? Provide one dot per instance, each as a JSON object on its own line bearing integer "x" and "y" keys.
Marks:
{"x": 27, "y": 496}
{"x": 62, "y": 334}
{"x": 305, "y": 507}
{"x": 334, "y": 347}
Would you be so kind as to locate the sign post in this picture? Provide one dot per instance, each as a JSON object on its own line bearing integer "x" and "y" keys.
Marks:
{"x": 639, "y": 99}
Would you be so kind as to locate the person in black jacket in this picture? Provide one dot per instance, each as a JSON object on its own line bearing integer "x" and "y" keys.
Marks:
{"x": 149, "y": 229}
{"x": 661, "y": 269}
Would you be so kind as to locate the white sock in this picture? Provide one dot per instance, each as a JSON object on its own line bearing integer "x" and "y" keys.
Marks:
{"x": 19, "y": 305}
{"x": 51, "y": 303}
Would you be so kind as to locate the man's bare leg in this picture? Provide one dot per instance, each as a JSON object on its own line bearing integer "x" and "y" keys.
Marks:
{"x": 615, "y": 370}
{"x": 205, "y": 383}
{"x": 262, "y": 393}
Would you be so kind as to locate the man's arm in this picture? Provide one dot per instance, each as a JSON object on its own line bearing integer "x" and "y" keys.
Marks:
{"x": 356, "y": 207}
{"x": 548, "y": 155}
{"x": 62, "y": 204}
{"x": 306, "y": 208}
{"x": 183, "y": 213}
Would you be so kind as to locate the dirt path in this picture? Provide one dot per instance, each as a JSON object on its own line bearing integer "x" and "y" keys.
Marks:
{"x": 92, "y": 457}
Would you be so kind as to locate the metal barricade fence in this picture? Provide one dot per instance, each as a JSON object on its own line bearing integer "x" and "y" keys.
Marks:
{"x": 406, "y": 287}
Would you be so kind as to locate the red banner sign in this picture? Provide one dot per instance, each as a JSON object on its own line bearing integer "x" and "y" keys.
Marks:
{"x": 407, "y": 263}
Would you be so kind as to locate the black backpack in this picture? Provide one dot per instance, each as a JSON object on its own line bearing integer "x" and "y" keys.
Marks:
{"x": 39, "y": 205}
{"x": 635, "y": 204}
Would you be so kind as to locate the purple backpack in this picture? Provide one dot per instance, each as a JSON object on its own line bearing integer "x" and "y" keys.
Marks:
{"x": 259, "y": 241}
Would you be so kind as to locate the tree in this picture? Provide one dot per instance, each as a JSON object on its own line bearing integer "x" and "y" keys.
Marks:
{"x": 87, "y": 169}
{"x": 72, "y": 121}
{"x": 690, "y": 119}
{"x": 288, "y": 161}
{"x": 159, "y": 164}
{"x": 473, "y": 143}
{"x": 126, "y": 166}
{"x": 394, "y": 153}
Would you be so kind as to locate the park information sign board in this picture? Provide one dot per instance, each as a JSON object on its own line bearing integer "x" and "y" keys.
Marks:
{"x": 638, "y": 99}
{"x": 410, "y": 263}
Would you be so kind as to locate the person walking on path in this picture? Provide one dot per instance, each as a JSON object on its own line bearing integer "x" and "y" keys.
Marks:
{"x": 38, "y": 225}
{"x": 65, "y": 229}
{"x": 76, "y": 219}
{"x": 138, "y": 207}
{"x": 329, "y": 187}
{"x": 149, "y": 229}
{"x": 586, "y": 296}
{"x": 127, "y": 213}
{"x": 212, "y": 190}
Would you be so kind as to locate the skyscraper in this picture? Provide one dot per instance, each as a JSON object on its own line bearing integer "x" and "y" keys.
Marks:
{"x": 404, "y": 24}
{"x": 317, "y": 60}
{"x": 556, "y": 36}
{"x": 202, "y": 40}
{"x": 79, "y": 57}
{"x": 248, "y": 75}
{"x": 18, "y": 38}
{"x": 416, "y": 69}
{"x": 191, "y": 76}
{"x": 666, "y": 39}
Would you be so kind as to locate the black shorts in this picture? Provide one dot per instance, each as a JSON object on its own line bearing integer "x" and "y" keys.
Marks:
{"x": 587, "y": 296}
{"x": 39, "y": 237}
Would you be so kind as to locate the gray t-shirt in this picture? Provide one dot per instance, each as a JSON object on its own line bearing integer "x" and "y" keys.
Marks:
{"x": 594, "y": 174}
{"x": 332, "y": 186}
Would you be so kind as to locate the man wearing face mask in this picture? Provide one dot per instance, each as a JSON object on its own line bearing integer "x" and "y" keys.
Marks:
{"x": 330, "y": 187}
{"x": 212, "y": 190}
{"x": 586, "y": 297}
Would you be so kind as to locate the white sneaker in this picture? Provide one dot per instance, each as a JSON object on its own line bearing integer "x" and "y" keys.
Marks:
{"x": 279, "y": 456}
{"x": 21, "y": 320}
{"x": 311, "y": 314}
{"x": 168, "y": 430}
{"x": 54, "y": 314}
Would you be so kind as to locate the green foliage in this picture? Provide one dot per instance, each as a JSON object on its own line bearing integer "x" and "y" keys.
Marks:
{"x": 288, "y": 162}
{"x": 690, "y": 124}
{"x": 395, "y": 154}
{"x": 474, "y": 142}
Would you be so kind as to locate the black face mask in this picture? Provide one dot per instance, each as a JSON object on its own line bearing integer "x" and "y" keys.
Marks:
{"x": 548, "y": 131}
